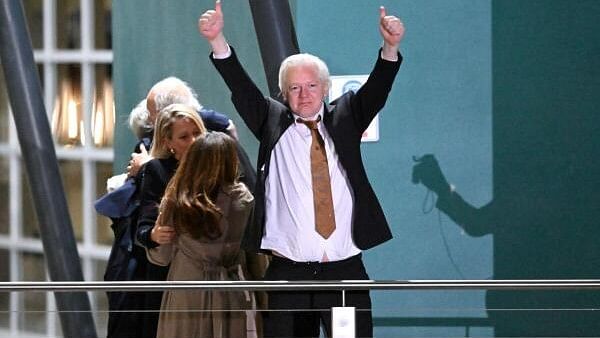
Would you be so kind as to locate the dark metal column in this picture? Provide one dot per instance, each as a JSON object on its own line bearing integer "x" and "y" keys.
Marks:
{"x": 33, "y": 129}
{"x": 276, "y": 37}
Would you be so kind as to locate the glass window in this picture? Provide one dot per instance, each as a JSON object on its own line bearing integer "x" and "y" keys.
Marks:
{"x": 30, "y": 221}
{"x": 67, "y": 115}
{"x": 104, "y": 232}
{"x": 68, "y": 24}
{"x": 103, "y": 22}
{"x": 34, "y": 12}
{"x": 4, "y": 191}
{"x": 33, "y": 314}
{"x": 3, "y": 109}
{"x": 103, "y": 108}
{"x": 70, "y": 172}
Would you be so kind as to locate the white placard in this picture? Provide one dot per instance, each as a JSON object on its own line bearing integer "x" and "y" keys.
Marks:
{"x": 343, "y": 322}
{"x": 340, "y": 84}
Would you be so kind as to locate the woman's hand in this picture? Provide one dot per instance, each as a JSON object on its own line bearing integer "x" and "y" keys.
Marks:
{"x": 162, "y": 234}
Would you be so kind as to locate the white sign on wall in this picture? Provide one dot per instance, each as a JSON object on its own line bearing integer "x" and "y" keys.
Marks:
{"x": 341, "y": 84}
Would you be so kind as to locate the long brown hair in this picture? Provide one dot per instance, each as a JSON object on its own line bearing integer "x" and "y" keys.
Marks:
{"x": 189, "y": 202}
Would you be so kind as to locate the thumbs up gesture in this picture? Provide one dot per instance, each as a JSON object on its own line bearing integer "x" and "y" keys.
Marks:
{"x": 210, "y": 24}
{"x": 391, "y": 28}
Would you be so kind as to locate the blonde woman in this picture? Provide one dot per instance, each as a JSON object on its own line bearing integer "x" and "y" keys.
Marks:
{"x": 177, "y": 127}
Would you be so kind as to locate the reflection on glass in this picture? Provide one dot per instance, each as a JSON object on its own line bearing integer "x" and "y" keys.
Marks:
{"x": 4, "y": 191}
{"x": 68, "y": 24}
{"x": 104, "y": 233}
{"x": 4, "y": 296}
{"x": 34, "y": 12}
{"x": 103, "y": 24}
{"x": 40, "y": 68}
{"x": 101, "y": 300}
{"x": 33, "y": 316}
{"x": 70, "y": 171}
{"x": 30, "y": 221}
{"x": 72, "y": 184}
{"x": 103, "y": 108}
{"x": 3, "y": 109}
{"x": 67, "y": 116}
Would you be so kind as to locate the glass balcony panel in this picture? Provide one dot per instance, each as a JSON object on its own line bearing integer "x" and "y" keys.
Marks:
{"x": 33, "y": 315}
{"x": 4, "y": 296}
{"x": 101, "y": 300}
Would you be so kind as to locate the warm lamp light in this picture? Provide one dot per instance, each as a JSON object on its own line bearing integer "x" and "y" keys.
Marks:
{"x": 67, "y": 118}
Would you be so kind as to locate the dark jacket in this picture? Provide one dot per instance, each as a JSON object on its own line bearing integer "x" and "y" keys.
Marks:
{"x": 345, "y": 120}
{"x": 155, "y": 177}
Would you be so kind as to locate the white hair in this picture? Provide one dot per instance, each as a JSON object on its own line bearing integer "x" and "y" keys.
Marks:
{"x": 139, "y": 120}
{"x": 172, "y": 90}
{"x": 303, "y": 59}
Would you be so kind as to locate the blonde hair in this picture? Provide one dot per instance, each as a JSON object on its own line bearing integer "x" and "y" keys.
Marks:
{"x": 163, "y": 130}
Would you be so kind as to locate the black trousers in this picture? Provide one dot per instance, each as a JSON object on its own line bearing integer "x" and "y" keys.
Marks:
{"x": 303, "y": 312}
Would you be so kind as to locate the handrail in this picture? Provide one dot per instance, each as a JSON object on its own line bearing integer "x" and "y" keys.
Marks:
{"x": 549, "y": 284}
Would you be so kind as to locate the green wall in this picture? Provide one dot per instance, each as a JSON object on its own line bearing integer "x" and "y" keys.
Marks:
{"x": 502, "y": 92}
{"x": 546, "y": 80}
{"x": 154, "y": 39}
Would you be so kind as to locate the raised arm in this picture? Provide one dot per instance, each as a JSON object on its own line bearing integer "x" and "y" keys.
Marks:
{"x": 392, "y": 31}
{"x": 247, "y": 98}
{"x": 210, "y": 26}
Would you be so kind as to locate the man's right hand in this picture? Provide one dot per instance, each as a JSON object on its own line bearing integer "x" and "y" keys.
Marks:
{"x": 210, "y": 26}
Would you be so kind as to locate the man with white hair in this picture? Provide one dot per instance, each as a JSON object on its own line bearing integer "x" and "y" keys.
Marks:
{"x": 315, "y": 209}
{"x": 168, "y": 91}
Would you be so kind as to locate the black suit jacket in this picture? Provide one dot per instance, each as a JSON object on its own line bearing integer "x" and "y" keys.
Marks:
{"x": 345, "y": 120}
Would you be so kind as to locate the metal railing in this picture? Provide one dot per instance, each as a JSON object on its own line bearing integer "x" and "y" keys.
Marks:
{"x": 344, "y": 285}
{"x": 468, "y": 323}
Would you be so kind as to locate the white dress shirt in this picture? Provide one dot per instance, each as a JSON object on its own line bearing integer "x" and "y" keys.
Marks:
{"x": 289, "y": 210}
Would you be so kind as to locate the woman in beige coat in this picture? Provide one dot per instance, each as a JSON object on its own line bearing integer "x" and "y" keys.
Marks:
{"x": 208, "y": 209}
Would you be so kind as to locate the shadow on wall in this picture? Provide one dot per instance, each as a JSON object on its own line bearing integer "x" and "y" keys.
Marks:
{"x": 541, "y": 231}
{"x": 545, "y": 214}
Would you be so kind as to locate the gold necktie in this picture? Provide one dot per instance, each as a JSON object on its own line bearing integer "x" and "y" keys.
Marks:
{"x": 321, "y": 183}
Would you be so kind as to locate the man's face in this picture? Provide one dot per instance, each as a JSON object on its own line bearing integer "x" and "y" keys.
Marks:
{"x": 305, "y": 92}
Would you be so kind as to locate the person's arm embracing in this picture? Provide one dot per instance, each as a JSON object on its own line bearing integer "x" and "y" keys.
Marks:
{"x": 152, "y": 190}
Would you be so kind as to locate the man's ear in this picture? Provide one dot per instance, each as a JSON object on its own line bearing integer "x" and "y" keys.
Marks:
{"x": 283, "y": 97}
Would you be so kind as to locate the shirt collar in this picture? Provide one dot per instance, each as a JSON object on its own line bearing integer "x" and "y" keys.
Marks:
{"x": 319, "y": 113}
